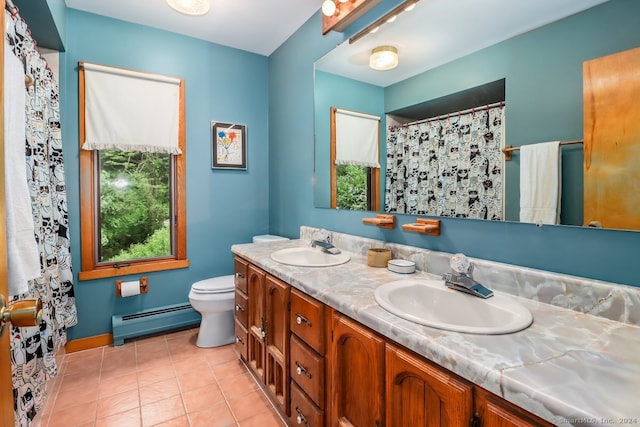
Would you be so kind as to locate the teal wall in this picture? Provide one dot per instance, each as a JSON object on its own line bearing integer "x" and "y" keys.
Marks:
{"x": 595, "y": 253}
{"x": 223, "y": 206}
{"x": 348, "y": 94}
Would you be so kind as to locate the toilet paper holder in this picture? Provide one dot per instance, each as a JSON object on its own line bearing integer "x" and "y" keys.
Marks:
{"x": 144, "y": 286}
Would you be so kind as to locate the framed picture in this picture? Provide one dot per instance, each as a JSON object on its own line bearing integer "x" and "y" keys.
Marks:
{"x": 229, "y": 149}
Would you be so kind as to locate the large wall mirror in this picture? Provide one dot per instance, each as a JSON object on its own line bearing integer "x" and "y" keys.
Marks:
{"x": 521, "y": 57}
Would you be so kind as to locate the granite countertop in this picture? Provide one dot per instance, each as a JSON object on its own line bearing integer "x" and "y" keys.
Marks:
{"x": 568, "y": 368}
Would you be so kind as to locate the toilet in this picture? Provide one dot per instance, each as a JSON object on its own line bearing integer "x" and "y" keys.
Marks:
{"x": 214, "y": 299}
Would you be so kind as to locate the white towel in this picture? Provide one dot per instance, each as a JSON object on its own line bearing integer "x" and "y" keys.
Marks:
{"x": 540, "y": 183}
{"x": 23, "y": 261}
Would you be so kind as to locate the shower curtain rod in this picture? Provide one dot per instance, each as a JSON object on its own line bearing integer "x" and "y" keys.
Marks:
{"x": 507, "y": 150}
{"x": 457, "y": 113}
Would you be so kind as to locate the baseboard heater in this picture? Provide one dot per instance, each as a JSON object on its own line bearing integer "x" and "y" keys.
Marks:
{"x": 152, "y": 321}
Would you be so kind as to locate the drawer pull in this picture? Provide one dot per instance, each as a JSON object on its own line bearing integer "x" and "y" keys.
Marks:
{"x": 239, "y": 276}
{"x": 300, "y": 419}
{"x": 302, "y": 370}
{"x": 262, "y": 332}
{"x": 300, "y": 319}
{"x": 239, "y": 340}
{"x": 239, "y": 307}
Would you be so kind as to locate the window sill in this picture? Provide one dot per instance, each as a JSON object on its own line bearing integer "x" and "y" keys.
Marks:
{"x": 103, "y": 272}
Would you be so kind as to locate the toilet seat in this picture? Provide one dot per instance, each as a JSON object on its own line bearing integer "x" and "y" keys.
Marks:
{"x": 214, "y": 285}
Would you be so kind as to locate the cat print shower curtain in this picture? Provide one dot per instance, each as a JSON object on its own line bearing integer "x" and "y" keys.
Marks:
{"x": 447, "y": 166}
{"x": 33, "y": 349}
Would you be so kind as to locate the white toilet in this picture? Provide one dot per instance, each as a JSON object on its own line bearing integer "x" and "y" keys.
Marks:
{"x": 214, "y": 299}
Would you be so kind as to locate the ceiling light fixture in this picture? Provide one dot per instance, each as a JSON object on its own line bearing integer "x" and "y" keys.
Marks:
{"x": 190, "y": 7}
{"x": 383, "y": 58}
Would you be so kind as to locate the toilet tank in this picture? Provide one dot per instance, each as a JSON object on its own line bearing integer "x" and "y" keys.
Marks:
{"x": 267, "y": 238}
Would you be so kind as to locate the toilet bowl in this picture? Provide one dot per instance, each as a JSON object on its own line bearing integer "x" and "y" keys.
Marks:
{"x": 214, "y": 298}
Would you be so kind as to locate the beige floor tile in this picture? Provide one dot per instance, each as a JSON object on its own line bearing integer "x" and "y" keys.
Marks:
{"x": 159, "y": 391}
{"x": 202, "y": 398}
{"x": 176, "y": 422}
{"x": 155, "y": 374}
{"x": 263, "y": 419}
{"x": 162, "y": 410}
{"x": 117, "y": 384}
{"x": 219, "y": 412}
{"x": 228, "y": 369}
{"x": 82, "y": 381}
{"x": 75, "y": 396}
{"x": 196, "y": 379}
{"x": 248, "y": 405}
{"x": 121, "y": 402}
{"x": 130, "y": 418}
{"x": 238, "y": 385}
{"x": 74, "y": 415}
{"x": 222, "y": 354}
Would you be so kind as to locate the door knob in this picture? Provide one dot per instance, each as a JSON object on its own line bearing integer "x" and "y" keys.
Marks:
{"x": 20, "y": 313}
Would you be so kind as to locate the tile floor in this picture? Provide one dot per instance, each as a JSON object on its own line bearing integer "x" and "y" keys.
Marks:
{"x": 159, "y": 381}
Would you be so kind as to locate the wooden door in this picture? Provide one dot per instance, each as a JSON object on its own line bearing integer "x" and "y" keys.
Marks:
{"x": 6, "y": 386}
{"x": 497, "y": 412}
{"x": 357, "y": 375}
{"x": 276, "y": 313}
{"x": 255, "y": 346}
{"x": 612, "y": 140}
{"x": 420, "y": 394}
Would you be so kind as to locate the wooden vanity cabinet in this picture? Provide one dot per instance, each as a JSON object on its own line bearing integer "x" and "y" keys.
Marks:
{"x": 321, "y": 368}
{"x": 241, "y": 307}
{"x": 307, "y": 362}
{"x": 356, "y": 374}
{"x": 267, "y": 344}
{"x": 494, "y": 411}
{"x": 276, "y": 313}
{"x": 420, "y": 394}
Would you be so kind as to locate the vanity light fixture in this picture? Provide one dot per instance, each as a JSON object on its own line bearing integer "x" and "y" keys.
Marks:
{"x": 389, "y": 17}
{"x": 190, "y": 7}
{"x": 329, "y": 8}
{"x": 384, "y": 58}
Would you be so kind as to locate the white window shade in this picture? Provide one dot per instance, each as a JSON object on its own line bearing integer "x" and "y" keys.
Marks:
{"x": 357, "y": 139}
{"x": 130, "y": 111}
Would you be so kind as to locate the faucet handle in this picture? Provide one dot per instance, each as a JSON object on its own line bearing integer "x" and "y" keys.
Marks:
{"x": 322, "y": 235}
{"x": 460, "y": 264}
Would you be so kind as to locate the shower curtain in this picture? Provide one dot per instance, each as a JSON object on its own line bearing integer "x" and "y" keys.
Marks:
{"x": 33, "y": 349}
{"x": 447, "y": 166}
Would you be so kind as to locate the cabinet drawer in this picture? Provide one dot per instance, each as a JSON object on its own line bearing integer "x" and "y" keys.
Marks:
{"x": 242, "y": 337}
{"x": 307, "y": 320}
{"x": 303, "y": 411}
{"x": 307, "y": 370}
{"x": 241, "y": 308}
{"x": 240, "y": 277}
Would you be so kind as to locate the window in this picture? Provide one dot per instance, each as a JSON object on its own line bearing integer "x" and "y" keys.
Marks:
{"x": 355, "y": 168}
{"x": 132, "y": 172}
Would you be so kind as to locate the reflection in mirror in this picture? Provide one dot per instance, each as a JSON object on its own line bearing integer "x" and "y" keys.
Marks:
{"x": 540, "y": 70}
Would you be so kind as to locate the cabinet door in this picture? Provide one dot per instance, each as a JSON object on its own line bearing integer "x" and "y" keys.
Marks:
{"x": 357, "y": 375}
{"x": 496, "y": 412}
{"x": 255, "y": 327}
{"x": 276, "y": 314}
{"x": 307, "y": 320}
{"x": 421, "y": 394}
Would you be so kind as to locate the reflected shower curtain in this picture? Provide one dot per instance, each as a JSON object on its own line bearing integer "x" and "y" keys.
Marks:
{"x": 449, "y": 166}
{"x": 33, "y": 349}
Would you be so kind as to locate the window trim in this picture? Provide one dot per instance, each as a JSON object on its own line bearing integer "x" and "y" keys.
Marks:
{"x": 90, "y": 267}
{"x": 373, "y": 174}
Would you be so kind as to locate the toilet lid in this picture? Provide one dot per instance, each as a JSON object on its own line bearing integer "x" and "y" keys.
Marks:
{"x": 214, "y": 285}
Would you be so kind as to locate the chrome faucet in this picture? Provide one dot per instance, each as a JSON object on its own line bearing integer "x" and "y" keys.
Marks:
{"x": 326, "y": 246}
{"x": 461, "y": 279}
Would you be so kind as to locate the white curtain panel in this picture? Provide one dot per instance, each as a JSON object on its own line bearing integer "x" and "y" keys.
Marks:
{"x": 130, "y": 110}
{"x": 357, "y": 137}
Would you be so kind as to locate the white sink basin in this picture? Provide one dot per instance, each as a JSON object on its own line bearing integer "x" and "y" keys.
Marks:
{"x": 431, "y": 303}
{"x": 309, "y": 257}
